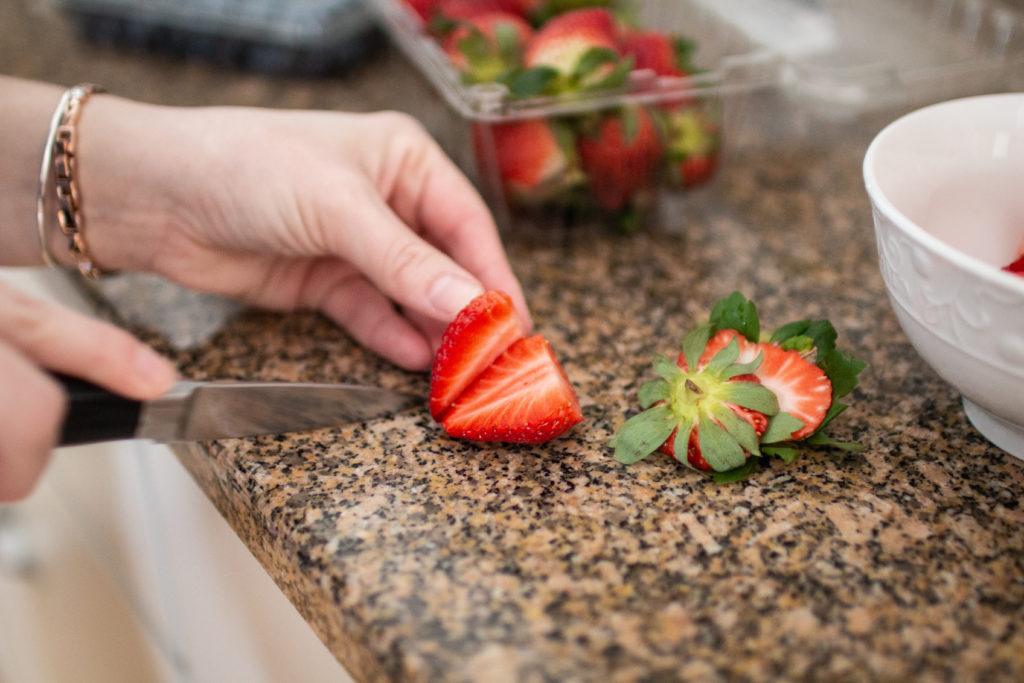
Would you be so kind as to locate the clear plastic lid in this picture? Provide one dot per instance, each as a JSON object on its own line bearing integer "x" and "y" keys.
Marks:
{"x": 847, "y": 55}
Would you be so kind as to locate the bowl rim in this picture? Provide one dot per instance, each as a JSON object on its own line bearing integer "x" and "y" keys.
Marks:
{"x": 986, "y": 271}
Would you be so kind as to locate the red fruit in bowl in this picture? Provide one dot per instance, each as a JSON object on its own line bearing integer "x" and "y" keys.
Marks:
{"x": 1017, "y": 267}
{"x": 523, "y": 397}
{"x": 487, "y": 44}
{"x": 534, "y": 159}
{"x": 480, "y": 333}
{"x": 621, "y": 157}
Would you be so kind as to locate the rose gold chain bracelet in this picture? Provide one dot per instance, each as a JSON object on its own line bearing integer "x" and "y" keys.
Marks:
{"x": 59, "y": 153}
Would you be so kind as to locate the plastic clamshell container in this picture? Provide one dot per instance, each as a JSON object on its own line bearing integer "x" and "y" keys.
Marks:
{"x": 835, "y": 57}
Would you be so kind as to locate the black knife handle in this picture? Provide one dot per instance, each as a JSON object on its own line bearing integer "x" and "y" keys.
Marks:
{"x": 95, "y": 414}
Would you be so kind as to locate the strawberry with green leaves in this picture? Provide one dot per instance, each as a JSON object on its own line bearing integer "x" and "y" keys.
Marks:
{"x": 620, "y": 156}
{"x": 662, "y": 53}
{"x": 490, "y": 383}
{"x": 732, "y": 397}
{"x": 693, "y": 145}
{"x": 487, "y": 45}
{"x": 576, "y": 51}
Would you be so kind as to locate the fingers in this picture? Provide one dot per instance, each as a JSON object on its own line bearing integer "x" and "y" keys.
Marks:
{"x": 57, "y": 338}
{"x": 31, "y": 408}
{"x": 428, "y": 192}
{"x": 349, "y": 299}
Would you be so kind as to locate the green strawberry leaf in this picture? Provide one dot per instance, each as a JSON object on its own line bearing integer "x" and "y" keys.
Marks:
{"x": 507, "y": 38}
{"x": 781, "y": 428}
{"x": 788, "y": 331}
{"x": 719, "y": 448}
{"x": 694, "y": 344}
{"x": 737, "y": 473}
{"x": 842, "y": 370}
{"x": 787, "y": 453}
{"x": 475, "y": 47}
{"x": 685, "y": 49}
{"x": 531, "y": 82}
{"x": 821, "y": 333}
{"x": 615, "y": 78}
{"x": 833, "y": 410}
{"x": 654, "y": 391}
{"x": 738, "y": 428}
{"x": 725, "y": 357}
{"x": 734, "y": 312}
{"x": 666, "y": 368}
{"x": 591, "y": 60}
{"x": 681, "y": 445}
{"x": 819, "y": 438}
{"x": 800, "y": 343}
{"x": 737, "y": 369}
{"x": 751, "y": 395}
{"x": 642, "y": 434}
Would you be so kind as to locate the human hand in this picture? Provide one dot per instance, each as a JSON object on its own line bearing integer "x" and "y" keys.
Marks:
{"x": 360, "y": 216}
{"x": 36, "y": 336}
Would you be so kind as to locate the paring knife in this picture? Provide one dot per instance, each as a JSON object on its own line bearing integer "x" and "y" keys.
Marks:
{"x": 198, "y": 411}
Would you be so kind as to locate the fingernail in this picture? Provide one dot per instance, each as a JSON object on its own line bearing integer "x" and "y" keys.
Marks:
{"x": 450, "y": 293}
{"x": 154, "y": 370}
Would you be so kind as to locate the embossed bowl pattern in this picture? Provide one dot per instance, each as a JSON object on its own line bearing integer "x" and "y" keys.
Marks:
{"x": 946, "y": 185}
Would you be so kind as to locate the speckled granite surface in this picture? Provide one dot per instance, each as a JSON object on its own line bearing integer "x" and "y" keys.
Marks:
{"x": 416, "y": 557}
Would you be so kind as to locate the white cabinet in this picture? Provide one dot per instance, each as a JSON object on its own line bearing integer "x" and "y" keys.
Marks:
{"x": 118, "y": 568}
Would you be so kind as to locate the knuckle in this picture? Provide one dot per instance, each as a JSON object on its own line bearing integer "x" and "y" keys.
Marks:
{"x": 404, "y": 261}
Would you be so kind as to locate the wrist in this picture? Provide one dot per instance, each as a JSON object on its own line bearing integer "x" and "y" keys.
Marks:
{"x": 125, "y": 183}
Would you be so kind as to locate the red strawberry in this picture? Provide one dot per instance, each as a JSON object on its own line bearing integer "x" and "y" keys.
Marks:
{"x": 800, "y": 386}
{"x": 621, "y": 157}
{"x": 693, "y": 146}
{"x": 480, "y": 333}
{"x": 726, "y": 398}
{"x": 654, "y": 50}
{"x": 487, "y": 44}
{"x": 534, "y": 158}
{"x": 563, "y": 42}
{"x": 716, "y": 413}
{"x": 456, "y": 10}
{"x": 697, "y": 168}
{"x": 1017, "y": 267}
{"x": 523, "y": 397}
{"x": 423, "y": 8}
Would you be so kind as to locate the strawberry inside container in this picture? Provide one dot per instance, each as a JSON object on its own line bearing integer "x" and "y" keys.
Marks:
{"x": 586, "y": 112}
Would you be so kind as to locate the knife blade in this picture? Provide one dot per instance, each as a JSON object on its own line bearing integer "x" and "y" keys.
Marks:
{"x": 199, "y": 411}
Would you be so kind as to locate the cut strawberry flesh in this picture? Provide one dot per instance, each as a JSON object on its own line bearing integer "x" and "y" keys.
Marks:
{"x": 522, "y": 397}
{"x": 481, "y": 332}
{"x": 800, "y": 386}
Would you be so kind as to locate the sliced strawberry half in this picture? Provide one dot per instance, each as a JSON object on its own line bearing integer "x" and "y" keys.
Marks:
{"x": 800, "y": 386}
{"x": 481, "y": 332}
{"x": 522, "y": 397}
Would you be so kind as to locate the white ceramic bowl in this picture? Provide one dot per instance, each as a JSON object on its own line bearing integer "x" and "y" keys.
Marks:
{"x": 947, "y": 191}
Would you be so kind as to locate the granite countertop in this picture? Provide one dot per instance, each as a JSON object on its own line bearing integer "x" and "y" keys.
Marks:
{"x": 417, "y": 557}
